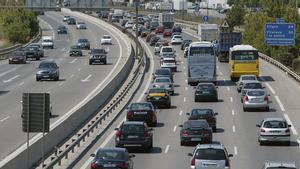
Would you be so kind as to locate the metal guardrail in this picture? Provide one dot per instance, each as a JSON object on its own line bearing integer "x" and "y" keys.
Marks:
{"x": 94, "y": 124}
{"x": 5, "y": 51}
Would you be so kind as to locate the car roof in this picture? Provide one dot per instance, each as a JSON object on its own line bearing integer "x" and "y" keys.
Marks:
{"x": 112, "y": 148}
{"x": 134, "y": 122}
{"x": 206, "y": 84}
{"x": 281, "y": 163}
{"x": 201, "y": 44}
{"x": 48, "y": 61}
{"x": 242, "y": 47}
{"x": 274, "y": 119}
{"x": 214, "y": 146}
{"x": 252, "y": 81}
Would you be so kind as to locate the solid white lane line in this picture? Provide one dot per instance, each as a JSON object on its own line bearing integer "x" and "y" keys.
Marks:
{"x": 2, "y": 120}
{"x": 270, "y": 88}
{"x": 9, "y": 71}
{"x": 286, "y": 116}
{"x": 186, "y": 81}
{"x": 298, "y": 141}
{"x": 224, "y": 80}
{"x": 87, "y": 78}
{"x": 72, "y": 75}
{"x": 186, "y": 88}
{"x": 235, "y": 150}
{"x": 217, "y": 67}
{"x": 184, "y": 74}
{"x": 11, "y": 79}
{"x": 167, "y": 149}
{"x": 228, "y": 88}
{"x": 183, "y": 67}
{"x": 20, "y": 84}
{"x": 231, "y": 99}
{"x": 174, "y": 129}
{"x": 184, "y": 99}
{"x": 233, "y": 128}
{"x": 73, "y": 61}
{"x": 232, "y": 112}
{"x": 61, "y": 83}
{"x": 180, "y": 113}
{"x": 280, "y": 104}
{"x": 221, "y": 73}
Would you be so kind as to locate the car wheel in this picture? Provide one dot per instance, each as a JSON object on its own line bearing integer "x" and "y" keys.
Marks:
{"x": 9, "y": 62}
{"x": 287, "y": 143}
{"x": 214, "y": 129}
{"x": 38, "y": 79}
{"x": 261, "y": 143}
{"x": 268, "y": 108}
{"x": 38, "y": 58}
{"x": 90, "y": 62}
{"x": 196, "y": 100}
{"x": 244, "y": 108}
{"x": 182, "y": 143}
{"x": 169, "y": 105}
{"x": 56, "y": 78}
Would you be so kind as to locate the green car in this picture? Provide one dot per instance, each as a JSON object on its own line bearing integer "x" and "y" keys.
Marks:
{"x": 206, "y": 92}
{"x": 75, "y": 50}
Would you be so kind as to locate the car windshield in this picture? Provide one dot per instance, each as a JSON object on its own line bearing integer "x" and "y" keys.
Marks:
{"x": 205, "y": 87}
{"x": 195, "y": 124}
{"x": 169, "y": 61}
{"x": 162, "y": 72}
{"x": 98, "y": 51}
{"x": 248, "y": 77}
{"x": 32, "y": 48}
{"x": 157, "y": 90}
{"x": 275, "y": 124}
{"x": 252, "y": 86}
{"x": 61, "y": 27}
{"x": 167, "y": 49}
{"x": 136, "y": 128}
{"x": 210, "y": 154}
{"x": 109, "y": 155}
{"x": 256, "y": 93}
{"x": 244, "y": 55}
{"x": 162, "y": 80}
{"x": 201, "y": 50}
{"x": 75, "y": 47}
{"x": 201, "y": 112}
{"x": 47, "y": 65}
{"x": 106, "y": 37}
{"x": 82, "y": 40}
{"x": 140, "y": 106}
{"x": 168, "y": 55}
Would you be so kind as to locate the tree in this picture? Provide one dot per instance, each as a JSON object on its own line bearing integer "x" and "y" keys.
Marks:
{"x": 236, "y": 15}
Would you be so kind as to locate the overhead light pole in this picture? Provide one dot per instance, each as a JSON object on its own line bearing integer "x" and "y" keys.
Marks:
{"x": 137, "y": 2}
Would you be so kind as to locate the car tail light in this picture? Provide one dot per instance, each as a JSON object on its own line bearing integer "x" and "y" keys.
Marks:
{"x": 193, "y": 162}
{"x": 123, "y": 166}
{"x": 129, "y": 114}
{"x": 205, "y": 133}
{"x": 287, "y": 130}
{"x": 227, "y": 163}
{"x": 94, "y": 166}
{"x": 266, "y": 98}
{"x": 118, "y": 134}
{"x": 184, "y": 133}
{"x": 146, "y": 134}
{"x": 262, "y": 130}
{"x": 246, "y": 98}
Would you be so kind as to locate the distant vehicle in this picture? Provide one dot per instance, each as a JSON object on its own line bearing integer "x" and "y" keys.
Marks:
{"x": 75, "y": 50}
{"x": 115, "y": 18}
{"x": 66, "y": 3}
{"x": 169, "y": 62}
{"x": 208, "y": 32}
{"x": 66, "y": 18}
{"x": 157, "y": 47}
{"x": 159, "y": 97}
{"x": 164, "y": 82}
{"x": 153, "y": 40}
{"x": 206, "y": 92}
{"x": 149, "y": 36}
{"x": 40, "y": 47}
{"x": 208, "y": 114}
{"x": 17, "y": 57}
{"x": 274, "y": 130}
{"x": 142, "y": 111}
{"x": 243, "y": 59}
{"x": 185, "y": 43}
{"x": 186, "y": 52}
{"x": 166, "y": 20}
{"x": 98, "y": 56}
{"x": 153, "y": 25}
{"x": 134, "y": 133}
{"x": 123, "y": 22}
{"x": 80, "y": 25}
{"x": 256, "y": 99}
{"x": 167, "y": 33}
{"x": 83, "y": 43}
{"x": 162, "y": 72}
{"x": 166, "y": 50}
{"x": 32, "y": 52}
{"x": 159, "y": 29}
{"x": 165, "y": 55}
{"x": 106, "y": 39}
{"x": 206, "y": 154}
{"x": 243, "y": 79}
{"x": 248, "y": 85}
{"x": 47, "y": 69}
{"x": 201, "y": 63}
{"x": 112, "y": 158}
{"x": 103, "y": 14}
{"x": 62, "y": 30}
{"x": 176, "y": 28}
{"x": 226, "y": 40}
{"x": 129, "y": 25}
{"x": 280, "y": 165}
{"x": 47, "y": 42}
{"x": 195, "y": 131}
{"x": 71, "y": 21}
{"x": 176, "y": 39}
{"x": 175, "y": 33}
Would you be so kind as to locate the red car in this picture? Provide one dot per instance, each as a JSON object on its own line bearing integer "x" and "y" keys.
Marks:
{"x": 149, "y": 36}
{"x": 167, "y": 33}
{"x": 159, "y": 29}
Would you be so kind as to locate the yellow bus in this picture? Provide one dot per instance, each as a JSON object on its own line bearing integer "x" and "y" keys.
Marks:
{"x": 243, "y": 60}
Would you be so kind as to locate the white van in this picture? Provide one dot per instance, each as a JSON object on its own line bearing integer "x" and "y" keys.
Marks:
{"x": 47, "y": 42}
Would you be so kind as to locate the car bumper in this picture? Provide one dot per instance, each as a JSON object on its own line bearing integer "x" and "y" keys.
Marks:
{"x": 206, "y": 97}
{"x": 238, "y": 74}
{"x": 46, "y": 76}
{"x": 202, "y": 139}
{"x": 274, "y": 138}
{"x": 196, "y": 80}
{"x": 135, "y": 143}
{"x": 255, "y": 105}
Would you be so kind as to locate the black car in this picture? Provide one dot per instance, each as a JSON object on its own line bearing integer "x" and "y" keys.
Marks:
{"x": 98, "y": 56}
{"x": 134, "y": 134}
{"x": 153, "y": 40}
{"x": 208, "y": 114}
{"x": 32, "y": 52}
{"x": 162, "y": 72}
{"x": 62, "y": 30}
{"x": 185, "y": 43}
{"x": 206, "y": 92}
{"x": 177, "y": 28}
{"x": 71, "y": 21}
{"x": 142, "y": 111}
{"x": 83, "y": 43}
{"x": 196, "y": 131}
{"x": 108, "y": 158}
{"x": 103, "y": 14}
{"x": 17, "y": 57}
{"x": 47, "y": 69}
{"x": 123, "y": 22}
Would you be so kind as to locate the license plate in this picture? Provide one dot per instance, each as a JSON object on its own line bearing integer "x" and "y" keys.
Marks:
{"x": 46, "y": 76}
{"x": 156, "y": 98}
{"x": 195, "y": 139}
{"x": 256, "y": 100}
{"x": 132, "y": 136}
{"x": 140, "y": 112}
{"x": 109, "y": 165}
{"x": 97, "y": 60}
{"x": 205, "y": 92}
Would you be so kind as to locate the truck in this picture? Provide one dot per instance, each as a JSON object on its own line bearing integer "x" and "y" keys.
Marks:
{"x": 201, "y": 62}
{"x": 166, "y": 19}
{"x": 208, "y": 32}
{"x": 226, "y": 40}
{"x": 118, "y": 13}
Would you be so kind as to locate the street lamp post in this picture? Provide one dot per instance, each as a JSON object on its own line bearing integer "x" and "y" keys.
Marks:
{"x": 136, "y": 28}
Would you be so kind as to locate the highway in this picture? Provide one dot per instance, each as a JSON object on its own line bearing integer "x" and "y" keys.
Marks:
{"x": 236, "y": 129}
{"x": 78, "y": 80}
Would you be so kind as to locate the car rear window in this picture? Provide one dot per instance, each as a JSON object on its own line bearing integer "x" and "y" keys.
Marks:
{"x": 136, "y": 128}
{"x": 255, "y": 93}
{"x": 210, "y": 154}
{"x": 140, "y": 106}
{"x": 205, "y": 87}
{"x": 106, "y": 37}
{"x": 167, "y": 50}
{"x": 82, "y": 40}
{"x": 201, "y": 112}
{"x": 252, "y": 86}
{"x": 162, "y": 80}
{"x": 249, "y": 78}
{"x": 110, "y": 155}
{"x": 275, "y": 124}
{"x": 162, "y": 72}
{"x": 195, "y": 124}
{"x": 157, "y": 90}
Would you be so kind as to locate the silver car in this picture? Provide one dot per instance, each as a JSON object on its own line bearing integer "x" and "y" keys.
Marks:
{"x": 274, "y": 130}
{"x": 243, "y": 79}
{"x": 210, "y": 156}
{"x": 256, "y": 99}
{"x": 280, "y": 165}
{"x": 80, "y": 25}
{"x": 248, "y": 85}
{"x": 164, "y": 82}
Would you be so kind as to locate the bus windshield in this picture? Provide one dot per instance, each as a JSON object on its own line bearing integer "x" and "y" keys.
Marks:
{"x": 201, "y": 50}
{"x": 244, "y": 55}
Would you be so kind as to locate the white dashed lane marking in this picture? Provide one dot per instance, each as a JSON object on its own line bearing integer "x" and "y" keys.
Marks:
{"x": 167, "y": 149}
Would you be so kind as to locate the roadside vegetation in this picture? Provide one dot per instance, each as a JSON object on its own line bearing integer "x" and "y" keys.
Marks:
{"x": 252, "y": 15}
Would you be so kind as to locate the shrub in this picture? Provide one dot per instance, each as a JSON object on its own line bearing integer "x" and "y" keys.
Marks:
{"x": 296, "y": 65}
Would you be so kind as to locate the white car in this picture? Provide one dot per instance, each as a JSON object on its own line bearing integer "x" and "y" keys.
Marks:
{"x": 176, "y": 39}
{"x": 129, "y": 25}
{"x": 80, "y": 25}
{"x": 168, "y": 62}
{"x": 166, "y": 50}
{"x": 106, "y": 39}
{"x": 66, "y": 18}
{"x": 47, "y": 42}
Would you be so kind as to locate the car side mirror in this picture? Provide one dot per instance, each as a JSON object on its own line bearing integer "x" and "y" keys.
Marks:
{"x": 150, "y": 129}
{"x": 145, "y": 93}
{"x": 93, "y": 155}
{"x": 290, "y": 125}
{"x": 217, "y": 87}
{"x": 263, "y": 87}
{"x": 190, "y": 154}
{"x": 216, "y": 113}
{"x": 257, "y": 125}
{"x": 230, "y": 155}
{"x": 131, "y": 155}
{"x": 116, "y": 128}
{"x": 188, "y": 114}
{"x": 180, "y": 125}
